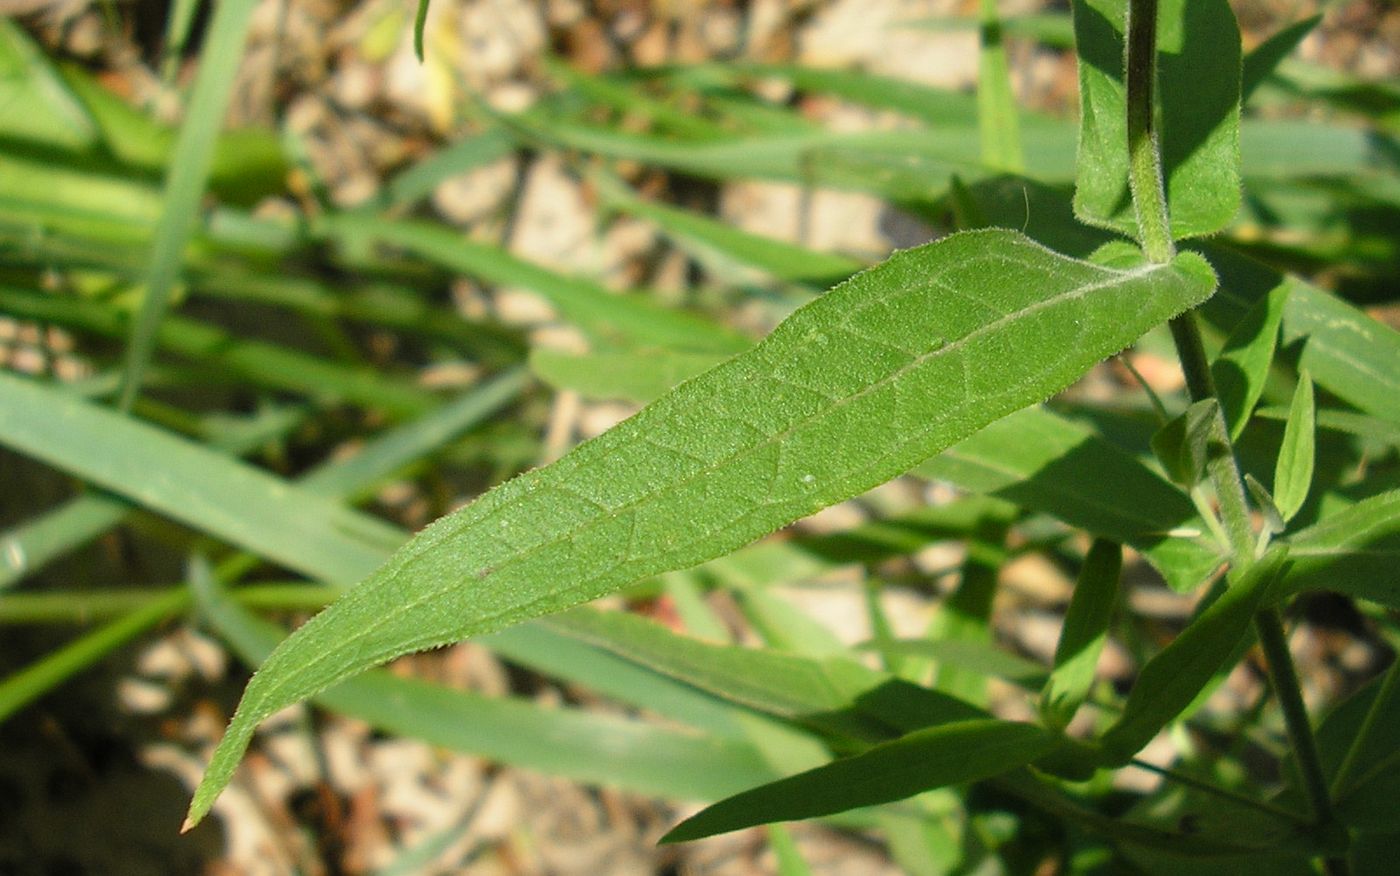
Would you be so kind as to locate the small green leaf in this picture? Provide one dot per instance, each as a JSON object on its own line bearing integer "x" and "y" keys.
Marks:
{"x": 880, "y": 373}
{"x": 1346, "y": 352}
{"x": 1356, "y": 743}
{"x": 1172, "y": 680}
{"x": 1243, "y": 365}
{"x": 966, "y": 751}
{"x": 1084, "y": 634}
{"x": 1273, "y": 520}
{"x": 1354, "y": 551}
{"x": 1184, "y": 445}
{"x": 1198, "y": 88}
{"x": 1294, "y": 472}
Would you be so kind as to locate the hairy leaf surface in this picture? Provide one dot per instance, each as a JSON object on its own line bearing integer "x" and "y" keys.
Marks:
{"x": 884, "y": 371}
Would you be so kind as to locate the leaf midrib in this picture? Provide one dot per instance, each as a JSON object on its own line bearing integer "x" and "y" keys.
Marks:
{"x": 1116, "y": 276}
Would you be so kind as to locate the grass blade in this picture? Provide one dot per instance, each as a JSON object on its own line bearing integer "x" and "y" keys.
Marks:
{"x": 34, "y": 680}
{"x": 257, "y": 361}
{"x": 610, "y": 319}
{"x": 996, "y": 103}
{"x": 187, "y": 178}
{"x": 195, "y": 485}
{"x": 569, "y": 742}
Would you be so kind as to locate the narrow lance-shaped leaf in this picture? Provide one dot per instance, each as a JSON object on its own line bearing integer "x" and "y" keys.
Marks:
{"x": 186, "y": 179}
{"x": 1294, "y": 472}
{"x": 885, "y": 370}
{"x": 1264, "y": 59}
{"x": 1084, "y": 633}
{"x": 1242, "y": 367}
{"x": 964, "y": 751}
{"x": 1354, "y": 551}
{"x": 1175, "y": 677}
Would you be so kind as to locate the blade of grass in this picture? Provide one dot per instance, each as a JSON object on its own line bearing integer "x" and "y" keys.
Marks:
{"x": 997, "y": 120}
{"x": 779, "y": 259}
{"x": 261, "y": 362}
{"x": 187, "y": 179}
{"x": 560, "y": 741}
{"x": 200, "y": 487}
{"x": 630, "y": 319}
{"x": 26, "y": 685}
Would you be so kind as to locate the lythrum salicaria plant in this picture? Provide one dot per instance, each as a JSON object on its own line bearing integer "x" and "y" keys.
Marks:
{"x": 1269, "y": 476}
{"x": 884, "y": 371}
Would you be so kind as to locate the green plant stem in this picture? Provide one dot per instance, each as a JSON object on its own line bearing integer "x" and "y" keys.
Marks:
{"x": 1154, "y": 231}
{"x": 1144, "y": 153}
{"x": 1284, "y": 679}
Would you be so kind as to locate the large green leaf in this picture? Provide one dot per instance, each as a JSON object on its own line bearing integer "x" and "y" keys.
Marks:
{"x": 1035, "y": 458}
{"x": 1198, "y": 86}
{"x": 884, "y": 371}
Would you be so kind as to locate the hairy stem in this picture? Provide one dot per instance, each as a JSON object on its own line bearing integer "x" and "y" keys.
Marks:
{"x": 1154, "y": 232}
{"x": 1144, "y": 149}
